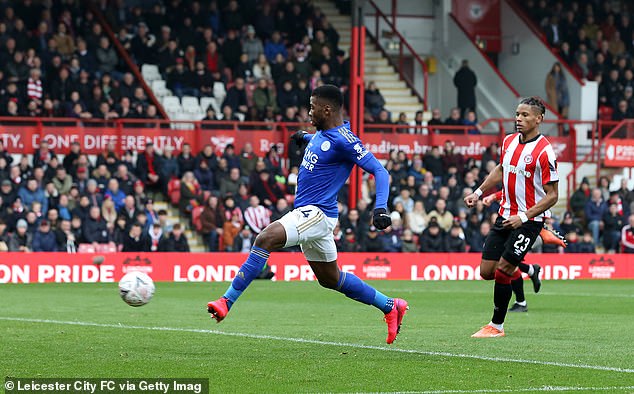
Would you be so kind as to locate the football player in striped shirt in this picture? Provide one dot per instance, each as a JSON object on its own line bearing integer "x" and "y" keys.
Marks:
{"x": 529, "y": 177}
{"x": 329, "y": 157}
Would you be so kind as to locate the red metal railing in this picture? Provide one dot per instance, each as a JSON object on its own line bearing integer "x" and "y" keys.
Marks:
{"x": 403, "y": 46}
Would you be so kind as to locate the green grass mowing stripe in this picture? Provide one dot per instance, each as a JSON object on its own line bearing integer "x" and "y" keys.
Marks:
{"x": 326, "y": 343}
{"x": 520, "y": 390}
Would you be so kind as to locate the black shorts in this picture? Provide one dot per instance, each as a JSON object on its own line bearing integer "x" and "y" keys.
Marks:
{"x": 510, "y": 244}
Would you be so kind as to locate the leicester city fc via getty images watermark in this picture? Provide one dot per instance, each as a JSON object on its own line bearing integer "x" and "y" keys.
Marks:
{"x": 106, "y": 385}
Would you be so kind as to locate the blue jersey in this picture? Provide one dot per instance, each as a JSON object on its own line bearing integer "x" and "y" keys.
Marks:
{"x": 327, "y": 163}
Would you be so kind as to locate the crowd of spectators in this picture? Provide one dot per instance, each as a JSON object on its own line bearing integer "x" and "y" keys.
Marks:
{"x": 596, "y": 41}
{"x": 50, "y": 202}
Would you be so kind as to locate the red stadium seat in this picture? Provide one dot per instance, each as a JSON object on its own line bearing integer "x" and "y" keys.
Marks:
{"x": 196, "y": 212}
{"x": 174, "y": 190}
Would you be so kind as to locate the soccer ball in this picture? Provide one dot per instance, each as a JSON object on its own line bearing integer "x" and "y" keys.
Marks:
{"x": 136, "y": 288}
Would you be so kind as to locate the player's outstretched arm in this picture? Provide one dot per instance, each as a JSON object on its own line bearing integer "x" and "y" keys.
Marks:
{"x": 381, "y": 219}
{"x": 300, "y": 137}
{"x": 491, "y": 180}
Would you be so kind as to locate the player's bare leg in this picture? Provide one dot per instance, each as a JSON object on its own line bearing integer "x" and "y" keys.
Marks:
{"x": 271, "y": 238}
{"x": 330, "y": 277}
{"x": 487, "y": 269}
{"x": 505, "y": 273}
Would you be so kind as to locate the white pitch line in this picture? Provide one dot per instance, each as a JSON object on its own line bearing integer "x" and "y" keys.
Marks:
{"x": 327, "y": 343}
{"x": 522, "y": 390}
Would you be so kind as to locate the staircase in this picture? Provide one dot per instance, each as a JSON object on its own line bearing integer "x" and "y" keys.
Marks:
{"x": 397, "y": 95}
{"x": 194, "y": 239}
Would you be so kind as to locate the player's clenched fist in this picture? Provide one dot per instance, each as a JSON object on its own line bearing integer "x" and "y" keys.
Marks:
{"x": 381, "y": 219}
{"x": 488, "y": 200}
{"x": 471, "y": 200}
{"x": 298, "y": 137}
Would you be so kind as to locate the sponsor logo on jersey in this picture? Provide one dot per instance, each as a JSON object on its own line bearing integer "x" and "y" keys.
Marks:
{"x": 309, "y": 160}
{"x": 515, "y": 170}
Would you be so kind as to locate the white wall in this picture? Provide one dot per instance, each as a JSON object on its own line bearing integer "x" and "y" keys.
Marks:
{"x": 418, "y": 32}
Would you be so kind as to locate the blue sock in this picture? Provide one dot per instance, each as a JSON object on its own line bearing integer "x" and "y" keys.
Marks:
{"x": 358, "y": 290}
{"x": 248, "y": 271}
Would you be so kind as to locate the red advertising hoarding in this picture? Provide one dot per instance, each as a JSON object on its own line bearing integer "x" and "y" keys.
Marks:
{"x": 207, "y": 267}
{"x": 618, "y": 153}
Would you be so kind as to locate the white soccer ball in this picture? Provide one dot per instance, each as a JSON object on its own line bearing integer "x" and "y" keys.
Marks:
{"x": 136, "y": 288}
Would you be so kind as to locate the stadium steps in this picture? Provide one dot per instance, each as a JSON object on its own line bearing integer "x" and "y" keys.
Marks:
{"x": 398, "y": 97}
{"x": 194, "y": 239}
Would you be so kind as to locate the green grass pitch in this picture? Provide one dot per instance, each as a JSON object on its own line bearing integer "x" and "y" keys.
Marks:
{"x": 298, "y": 337}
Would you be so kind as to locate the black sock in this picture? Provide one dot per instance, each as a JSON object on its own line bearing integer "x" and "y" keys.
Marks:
{"x": 501, "y": 297}
{"x": 523, "y": 267}
{"x": 518, "y": 289}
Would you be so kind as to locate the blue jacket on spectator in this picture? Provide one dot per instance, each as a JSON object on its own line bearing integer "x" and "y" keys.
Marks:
{"x": 271, "y": 49}
{"x": 44, "y": 242}
{"x": 595, "y": 211}
{"x": 27, "y": 196}
{"x": 117, "y": 198}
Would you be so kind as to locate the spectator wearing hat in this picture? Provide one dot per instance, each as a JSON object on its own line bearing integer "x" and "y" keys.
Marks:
{"x": 392, "y": 242}
{"x": 252, "y": 45}
{"x": 7, "y": 193}
{"x": 432, "y": 239}
{"x": 169, "y": 165}
{"x": 44, "y": 239}
{"x": 176, "y": 241}
{"x": 349, "y": 242}
{"x": 21, "y": 239}
{"x": 372, "y": 242}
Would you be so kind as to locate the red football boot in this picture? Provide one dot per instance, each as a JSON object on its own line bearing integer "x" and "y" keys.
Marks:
{"x": 394, "y": 318}
{"x": 218, "y": 309}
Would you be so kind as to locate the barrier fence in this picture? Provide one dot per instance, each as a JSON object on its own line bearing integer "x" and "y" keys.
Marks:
{"x": 216, "y": 267}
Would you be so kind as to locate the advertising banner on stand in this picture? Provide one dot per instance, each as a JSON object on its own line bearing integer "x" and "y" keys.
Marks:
{"x": 217, "y": 267}
{"x": 619, "y": 153}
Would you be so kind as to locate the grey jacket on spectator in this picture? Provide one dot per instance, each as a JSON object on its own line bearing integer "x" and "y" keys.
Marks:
{"x": 107, "y": 59}
{"x": 15, "y": 241}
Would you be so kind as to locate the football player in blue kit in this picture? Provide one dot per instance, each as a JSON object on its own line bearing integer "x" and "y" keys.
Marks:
{"x": 328, "y": 160}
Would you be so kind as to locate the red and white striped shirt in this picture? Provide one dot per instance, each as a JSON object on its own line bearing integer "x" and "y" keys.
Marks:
{"x": 34, "y": 89}
{"x": 527, "y": 168}
{"x": 257, "y": 218}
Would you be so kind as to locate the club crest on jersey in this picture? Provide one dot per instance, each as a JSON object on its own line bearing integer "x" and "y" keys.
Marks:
{"x": 325, "y": 145}
{"x": 528, "y": 159}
